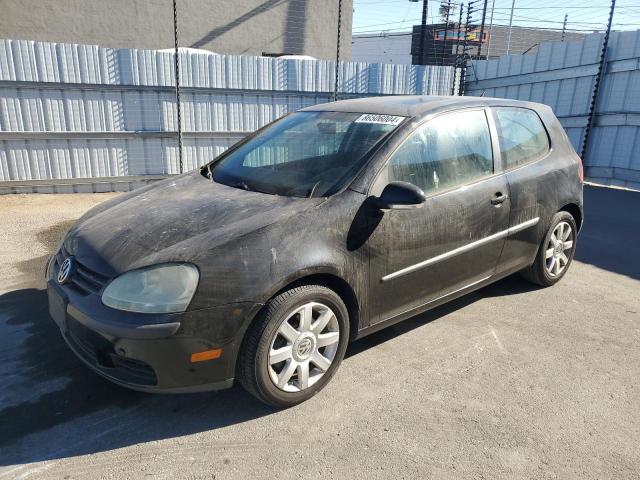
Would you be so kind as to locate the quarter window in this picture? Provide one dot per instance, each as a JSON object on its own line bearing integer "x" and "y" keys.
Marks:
{"x": 448, "y": 151}
{"x": 522, "y": 136}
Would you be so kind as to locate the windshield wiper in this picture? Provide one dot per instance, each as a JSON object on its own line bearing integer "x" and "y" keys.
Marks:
{"x": 313, "y": 190}
{"x": 241, "y": 184}
{"x": 235, "y": 184}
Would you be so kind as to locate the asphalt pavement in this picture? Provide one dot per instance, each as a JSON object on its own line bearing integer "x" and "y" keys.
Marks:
{"x": 512, "y": 381}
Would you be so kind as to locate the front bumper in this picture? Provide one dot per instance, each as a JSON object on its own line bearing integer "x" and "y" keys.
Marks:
{"x": 150, "y": 353}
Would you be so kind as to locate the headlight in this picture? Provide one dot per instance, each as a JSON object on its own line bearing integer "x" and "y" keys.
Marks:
{"x": 164, "y": 288}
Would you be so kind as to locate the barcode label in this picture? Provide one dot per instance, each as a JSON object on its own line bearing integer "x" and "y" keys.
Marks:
{"x": 382, "y": 119}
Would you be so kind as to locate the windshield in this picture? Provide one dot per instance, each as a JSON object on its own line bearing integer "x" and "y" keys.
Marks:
{"x": 306, "y": 154}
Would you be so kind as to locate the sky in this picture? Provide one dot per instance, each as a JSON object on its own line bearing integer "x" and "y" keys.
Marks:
{"x": 400, "y": 15}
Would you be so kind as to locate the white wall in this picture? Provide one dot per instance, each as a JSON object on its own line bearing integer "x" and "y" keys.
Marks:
{"x": 382, "y": 48}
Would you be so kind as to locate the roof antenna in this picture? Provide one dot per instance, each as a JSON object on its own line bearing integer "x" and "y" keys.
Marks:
{"x": 483, "y": 92}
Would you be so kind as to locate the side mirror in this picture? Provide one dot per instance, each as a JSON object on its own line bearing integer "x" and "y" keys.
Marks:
{"x": 400, "y": 196}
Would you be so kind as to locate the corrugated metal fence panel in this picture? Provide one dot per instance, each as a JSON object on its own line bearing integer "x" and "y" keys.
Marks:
{"x": 561, "y": 75}
{"x": 36, "y": 159}
{"x": 29, "y": 61}
{"x": 74, "y": 111}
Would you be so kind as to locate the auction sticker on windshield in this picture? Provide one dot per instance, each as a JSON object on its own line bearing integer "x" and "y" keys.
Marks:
{"x": 381, "y": 119}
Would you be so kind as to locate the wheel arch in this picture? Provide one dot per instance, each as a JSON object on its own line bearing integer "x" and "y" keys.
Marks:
{"x": 327, "y": 278}
{"x": 575, "y": 211}
{"x": 336, "y": 283}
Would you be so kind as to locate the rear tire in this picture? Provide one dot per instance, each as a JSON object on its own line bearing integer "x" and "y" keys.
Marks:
{"x": 555, "y": 253}
{"x": 294, "y": 346}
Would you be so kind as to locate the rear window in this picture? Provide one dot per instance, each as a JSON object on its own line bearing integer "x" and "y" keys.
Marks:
{"x": 522, "y": 136}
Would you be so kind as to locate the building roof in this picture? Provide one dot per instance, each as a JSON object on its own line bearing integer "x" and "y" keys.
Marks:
{"x": 412, "y": 105}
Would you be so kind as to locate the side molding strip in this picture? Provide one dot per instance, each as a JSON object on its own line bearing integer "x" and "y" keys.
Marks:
{"x": 465, "y": 248}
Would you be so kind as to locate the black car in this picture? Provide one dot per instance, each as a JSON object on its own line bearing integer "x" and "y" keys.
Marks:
{"x": 320, "y": 228}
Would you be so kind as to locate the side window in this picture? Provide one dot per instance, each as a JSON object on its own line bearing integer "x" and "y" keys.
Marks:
{"x": 448, "y": 151}
{"x": 522, "y": 136}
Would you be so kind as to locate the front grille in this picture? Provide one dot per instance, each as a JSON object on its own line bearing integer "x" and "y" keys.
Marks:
{"x": 98, "y": 352}
{"x": 83, "y": 279}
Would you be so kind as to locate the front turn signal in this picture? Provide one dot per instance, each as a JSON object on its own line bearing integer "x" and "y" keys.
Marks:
{"x": 206, "y": 355}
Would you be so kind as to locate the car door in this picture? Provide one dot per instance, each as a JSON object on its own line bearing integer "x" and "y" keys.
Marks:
{"x": 454, "y": 240}
{"x": 524, "y": 147}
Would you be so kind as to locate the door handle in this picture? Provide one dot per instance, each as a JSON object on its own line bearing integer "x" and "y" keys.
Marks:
{"x": 498, "y": 198}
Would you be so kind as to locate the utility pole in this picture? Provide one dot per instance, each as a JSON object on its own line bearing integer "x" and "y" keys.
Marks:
{"x": 493, "y": 5}
{"x": 564, "y": 27}
{"x": 513, "y": 3}
{"x": 457, "y": 64}
{"x": 446, "y": 30}
{"x": 423, "y": 30}
{"x": 484, "y": 15}
{"x": 596, "y": 84}
{"x": 177, "y": 74}
{"x": 335, "y": 86}
{"x": 466, "y": 29}
{"x": 465, "y": 55}
{"x": 459, "y": 31}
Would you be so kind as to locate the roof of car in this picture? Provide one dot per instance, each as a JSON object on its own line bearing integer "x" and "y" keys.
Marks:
{"x": 413, "y": 105}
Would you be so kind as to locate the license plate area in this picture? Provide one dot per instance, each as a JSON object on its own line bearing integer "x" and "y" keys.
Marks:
{"x": 57, "y": 306}
{"x": 92, "y": 345}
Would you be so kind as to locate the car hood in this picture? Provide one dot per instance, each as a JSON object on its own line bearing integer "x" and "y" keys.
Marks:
{"x": 173, "y": 220}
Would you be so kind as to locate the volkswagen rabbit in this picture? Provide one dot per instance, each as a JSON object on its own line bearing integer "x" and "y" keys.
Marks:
{"x": 322, "y": 227}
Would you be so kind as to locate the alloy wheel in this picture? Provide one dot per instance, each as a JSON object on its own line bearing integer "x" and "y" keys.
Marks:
{"x": 558, "y": 251}
{"x": 303, "y": 347}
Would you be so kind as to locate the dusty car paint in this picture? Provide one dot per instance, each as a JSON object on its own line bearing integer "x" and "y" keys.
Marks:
{"x": 248, "y": 246}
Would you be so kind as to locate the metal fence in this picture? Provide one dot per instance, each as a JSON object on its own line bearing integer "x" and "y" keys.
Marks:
{"x": 74, "y": 111}
{"x": 562, "y": 75}
{"x": 77, "y": 111}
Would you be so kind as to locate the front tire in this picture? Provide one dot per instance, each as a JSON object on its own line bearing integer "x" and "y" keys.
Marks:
{"x": 294, "y": 346}
{"x": 555, "y": 253}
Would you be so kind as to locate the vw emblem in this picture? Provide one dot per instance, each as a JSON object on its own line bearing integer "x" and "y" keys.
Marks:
{"x": 65, "y": 270}
{"x": 304, "y": 347}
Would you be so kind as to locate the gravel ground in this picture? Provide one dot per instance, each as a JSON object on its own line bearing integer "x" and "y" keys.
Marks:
{"x": 508, "y": 382}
